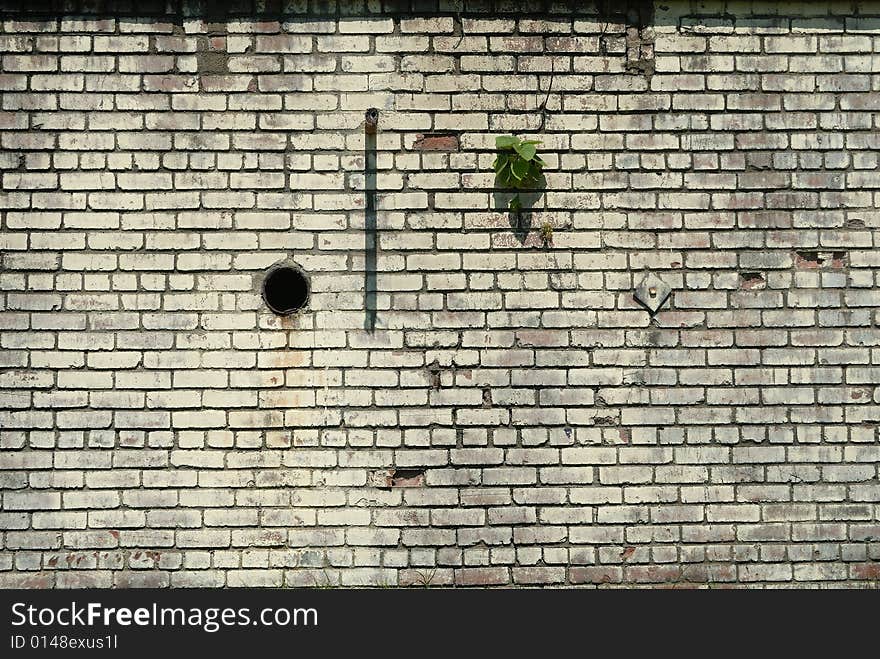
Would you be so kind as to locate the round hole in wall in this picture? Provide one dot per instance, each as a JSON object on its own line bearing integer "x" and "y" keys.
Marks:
{"x": 285, "y": 290}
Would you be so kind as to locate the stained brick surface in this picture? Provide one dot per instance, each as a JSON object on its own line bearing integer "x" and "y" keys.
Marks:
{"x": 515, "y": 417}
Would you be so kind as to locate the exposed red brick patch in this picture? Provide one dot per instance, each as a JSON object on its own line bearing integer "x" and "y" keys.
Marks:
{"x": 407, "y": 478}
{"x": 482, "y": 576}
{"x": 701, "y": 573}
{"x": 595, "y": 574}
{"x": 838, "y": 260}
{"x": 866, "y": 571}
{"x": 387, "y": 478}
{"x": 35, "y": 581}
{"x": 807, "y": 260}
{"x": 436, "y": 142}
{"x": 750, "y": 280}
{"x": 813, "y": 260}
{"x": 654, "y": 574}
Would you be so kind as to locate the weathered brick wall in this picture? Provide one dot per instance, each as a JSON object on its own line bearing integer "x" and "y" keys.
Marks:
{"x": 514, "y": 417}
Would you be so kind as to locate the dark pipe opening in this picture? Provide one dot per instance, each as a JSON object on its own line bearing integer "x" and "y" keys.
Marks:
{"x": 371, "y": 120}
{"x": 286, "y": 290}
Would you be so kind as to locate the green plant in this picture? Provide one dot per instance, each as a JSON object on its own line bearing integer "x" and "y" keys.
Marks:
{"x": 424, "y": 579}
{"x": 547, "y": 233}
{"x": 518, "y": 166}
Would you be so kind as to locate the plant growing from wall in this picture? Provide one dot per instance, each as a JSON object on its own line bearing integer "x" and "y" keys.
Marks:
{"x": 546, "y": 233}
{"x": 518, "y": 166}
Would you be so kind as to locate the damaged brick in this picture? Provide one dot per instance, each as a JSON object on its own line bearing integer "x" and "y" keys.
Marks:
{"x": 436, "y": 142}
{"x": 752, "y": 280}
{"x": 807, "y": 260}
{"x": 434, "y": 370}
{"x": 810, "y": 260}
{"x": 487, "y": 397}
{"x": 388, "y": 478}
{"x": 211, "y": 56}
{"x": 407, "y": 478}
{"x": 637, "y": 17}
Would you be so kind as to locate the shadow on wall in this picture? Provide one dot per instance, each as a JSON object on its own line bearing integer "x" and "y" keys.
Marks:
{"x": 637, "y": 14}
{"x": 520, "y": 220}
{"x": 632, "y": 18}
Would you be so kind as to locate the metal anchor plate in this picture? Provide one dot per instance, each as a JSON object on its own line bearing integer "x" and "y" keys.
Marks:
{"x": 652, "y": 292}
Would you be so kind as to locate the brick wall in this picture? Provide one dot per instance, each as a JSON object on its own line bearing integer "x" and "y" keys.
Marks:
{"x": 461, "y": 402}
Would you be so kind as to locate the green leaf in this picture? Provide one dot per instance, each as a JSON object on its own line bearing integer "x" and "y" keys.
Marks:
{"x": 534, "y": 173}
{"x": 519, "y": 169}
{"x": 501, "y": 162}
{"x": 505, "y": 178}
{"x": 526, "y": 151}
{"x": 506, "y": 142}
{"x": 532, "y": 142}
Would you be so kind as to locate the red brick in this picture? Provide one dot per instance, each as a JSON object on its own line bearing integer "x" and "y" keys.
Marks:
{"x": 868, "y": 571}
{"x": 436, "y": 143}
{"x": 595, "y": 574}
{"x": 482, "y": 576}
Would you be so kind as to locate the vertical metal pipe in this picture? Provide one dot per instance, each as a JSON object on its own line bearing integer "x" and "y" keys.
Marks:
{"x": 370, "y": 232}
